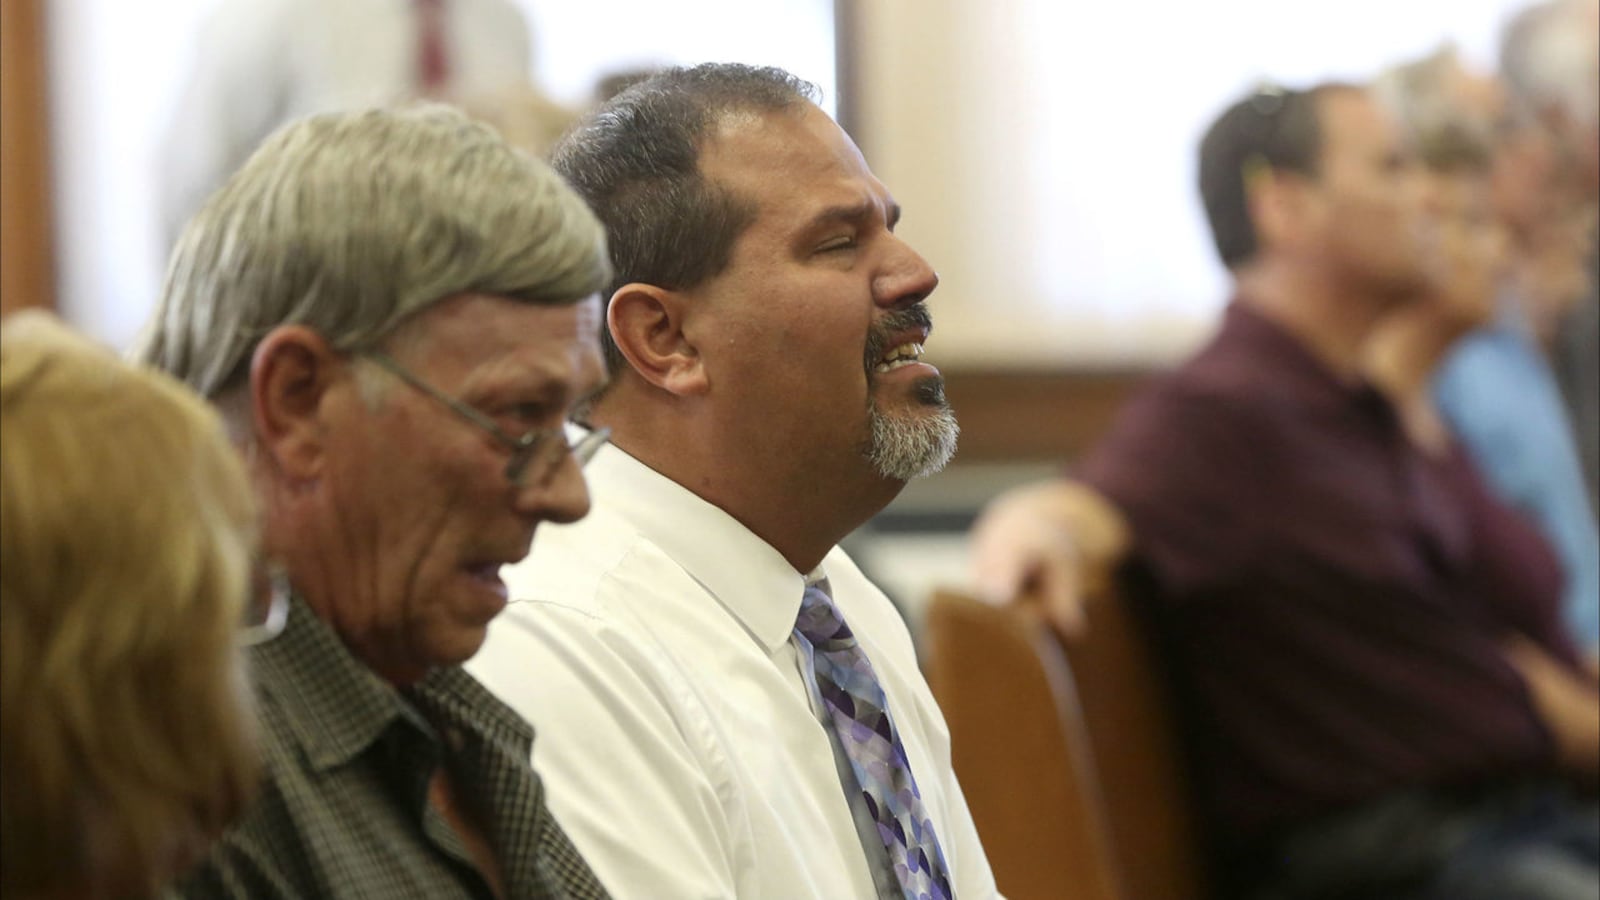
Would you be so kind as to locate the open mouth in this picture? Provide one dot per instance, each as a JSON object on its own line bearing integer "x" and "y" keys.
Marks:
{"x": 488, "y": 572}
{"x": 899, "y": 357}
{"x": 896, "y": 340}
{"x": 487, "y": 576}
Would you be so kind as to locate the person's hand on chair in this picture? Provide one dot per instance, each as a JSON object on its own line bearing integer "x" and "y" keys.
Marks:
{"x": 1047, "y": 544}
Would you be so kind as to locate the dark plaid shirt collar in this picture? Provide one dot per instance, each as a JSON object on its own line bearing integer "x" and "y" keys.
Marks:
{"x": 345, "y": 813}
{"x": 337, "y": 707}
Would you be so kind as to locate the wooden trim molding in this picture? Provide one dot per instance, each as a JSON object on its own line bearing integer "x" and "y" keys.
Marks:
{"x": 845, "y": 67}
{"x": 27, "y": 246}
{"x": 1036, "y": 416}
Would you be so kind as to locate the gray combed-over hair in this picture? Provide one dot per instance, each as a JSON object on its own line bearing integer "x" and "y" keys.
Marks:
{"x": 349, "y": 223}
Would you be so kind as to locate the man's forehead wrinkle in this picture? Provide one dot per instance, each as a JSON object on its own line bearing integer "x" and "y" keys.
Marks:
{"x": 866, "y": 204}
{"x": 767, "y": 155}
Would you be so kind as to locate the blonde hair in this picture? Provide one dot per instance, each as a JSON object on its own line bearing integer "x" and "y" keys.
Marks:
{"x": 126, "y": 539}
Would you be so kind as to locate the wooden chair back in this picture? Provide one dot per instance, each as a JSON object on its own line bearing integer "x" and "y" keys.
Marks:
{"x": 1066, "y": 755}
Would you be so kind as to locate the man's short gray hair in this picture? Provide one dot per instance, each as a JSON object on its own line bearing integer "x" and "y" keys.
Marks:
{"x": 1550, "y": 58}
{"x": 349, "y": 223}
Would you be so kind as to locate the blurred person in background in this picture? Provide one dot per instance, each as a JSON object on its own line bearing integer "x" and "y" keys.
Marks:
{"x": 1577, "y": 344}
{"x": 260, "y": 63}
{"x": 524, "y": 116}
{"x": 394, "y": 311}
{"x": 1433, "y": 101}
{"x": 1381, "y": 693}
{"x": 127, "y": 535}
{"x": 1550, "y": 61}
{"x": 729, "y": 708}
{"x": 1545, "y": 185}
{"x": 618, "y": 80}
{"x": 1496, "y": 387}
{"x": 532, "y": 121}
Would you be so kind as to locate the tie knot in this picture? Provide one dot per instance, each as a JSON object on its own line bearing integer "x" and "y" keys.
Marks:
{"x": 820, "y": 622}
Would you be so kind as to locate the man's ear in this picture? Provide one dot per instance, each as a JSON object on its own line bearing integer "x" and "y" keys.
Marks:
{"x": 290, "y": 374}
{"x": 646, "y": 323}
{"x": 1279, "y": 205}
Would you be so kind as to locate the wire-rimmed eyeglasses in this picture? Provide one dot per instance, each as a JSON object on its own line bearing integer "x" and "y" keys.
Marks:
{"x": 545, "y": 447}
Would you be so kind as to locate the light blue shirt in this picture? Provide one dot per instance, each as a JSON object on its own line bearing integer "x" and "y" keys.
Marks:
{"x": 1497, "y": 391}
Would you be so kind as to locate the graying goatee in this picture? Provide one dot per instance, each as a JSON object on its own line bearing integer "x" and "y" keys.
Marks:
{"x": 920, "y": 440}
{"x": 917, "y": 442}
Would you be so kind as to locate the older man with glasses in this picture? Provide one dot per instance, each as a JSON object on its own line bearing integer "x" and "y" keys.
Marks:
{"x": 394, "y": 312}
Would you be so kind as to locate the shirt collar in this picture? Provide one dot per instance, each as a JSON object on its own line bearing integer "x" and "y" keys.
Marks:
{"x": 335, "y": 706}
{"x": 748, "y": 576}
{"x": 1248, "y": 336}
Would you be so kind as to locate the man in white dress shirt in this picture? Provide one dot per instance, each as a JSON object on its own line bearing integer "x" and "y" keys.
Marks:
{"x": 766, "y": 399}
{"x": 260, "y": 63}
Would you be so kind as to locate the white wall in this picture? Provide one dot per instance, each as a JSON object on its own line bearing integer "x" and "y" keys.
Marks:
{"x": 116, "y": 66}
{"x": 576, "y": 41}
{"x": 1044, "y": 151}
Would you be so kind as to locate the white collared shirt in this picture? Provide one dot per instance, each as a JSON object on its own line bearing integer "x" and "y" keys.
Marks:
{"x": 650, "y": 645}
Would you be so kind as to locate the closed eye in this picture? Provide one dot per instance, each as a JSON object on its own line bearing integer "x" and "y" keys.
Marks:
{"x": 838, "y": 243}
{"x": 525, "y": 416}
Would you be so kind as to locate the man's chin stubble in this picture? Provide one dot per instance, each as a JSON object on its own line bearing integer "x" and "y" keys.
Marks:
{"x": 916, "y": 442}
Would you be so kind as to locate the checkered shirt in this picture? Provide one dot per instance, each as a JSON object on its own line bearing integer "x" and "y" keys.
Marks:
{"x": 344, "y": 812}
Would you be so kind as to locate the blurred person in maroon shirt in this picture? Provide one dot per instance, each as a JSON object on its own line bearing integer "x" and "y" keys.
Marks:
{"x": 1380, "y": 700}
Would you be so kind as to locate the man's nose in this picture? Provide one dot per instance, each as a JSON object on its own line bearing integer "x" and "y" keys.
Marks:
{"x": 906, "y": 278}
{"x": 562, "y": 496}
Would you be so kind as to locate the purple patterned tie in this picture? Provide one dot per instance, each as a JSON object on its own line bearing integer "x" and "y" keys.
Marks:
{"x": 860, "y": 717}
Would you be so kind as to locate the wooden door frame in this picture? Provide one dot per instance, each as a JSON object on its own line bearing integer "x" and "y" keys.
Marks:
{"x": 27, "y": 216}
